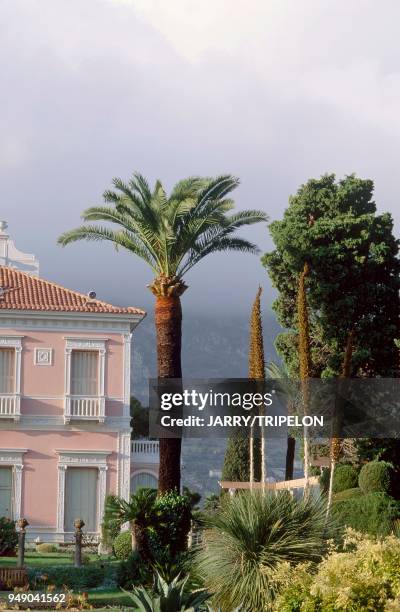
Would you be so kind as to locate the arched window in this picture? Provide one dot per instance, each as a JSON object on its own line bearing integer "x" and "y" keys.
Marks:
{"x": 143, "y": 479}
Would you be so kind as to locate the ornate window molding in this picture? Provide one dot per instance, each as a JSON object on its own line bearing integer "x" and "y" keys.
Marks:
{"x": 77, "y": 458}
{"x": 15, "y": 342}
{"x": 14, "y": 457}
{"x": 88, "y": 344}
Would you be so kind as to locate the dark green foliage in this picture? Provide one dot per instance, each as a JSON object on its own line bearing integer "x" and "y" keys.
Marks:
{"x": 237, "y": 459}
{"x": 8, "y": 537}
{"x": 86, "y": 577}
{"x": 171, "y": 524}
{"x": 373, "y": 513}
{"x": 131, "y": 572}
{"x": 354, "y": 276}
{"x": 139, "y": 419}
{"x": 160, "y": 524}
{"x": 110, "y": 526}
{"x": 168, "y": 597}
{"x": 344, "y": 477}
{"x": 122, "y": 545}
{"x": 138, "y": 512}
{"x": 382, "y": 449}
{"x": 324, "y": 479}
{"x": 375, "y": 476}
{"x": 347, "y": 494}
{"x": 193, "y": 496}
{"x": 212, "y": 503}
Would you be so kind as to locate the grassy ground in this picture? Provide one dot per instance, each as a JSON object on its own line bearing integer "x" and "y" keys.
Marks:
{"x": 109, "y": 597}
{"x": 34, "y": 559}
{"x": 98, "y": 598}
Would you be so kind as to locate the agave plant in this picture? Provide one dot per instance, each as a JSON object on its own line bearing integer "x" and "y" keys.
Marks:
{"x": 249, "y": 537}
{"x": 168, "y": 597}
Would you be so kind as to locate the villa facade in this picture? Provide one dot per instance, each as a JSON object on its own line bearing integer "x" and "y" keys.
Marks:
{"x": 65, "y": 436}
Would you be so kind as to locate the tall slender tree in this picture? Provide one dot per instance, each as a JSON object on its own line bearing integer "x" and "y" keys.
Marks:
{"x": 336, "y": 444}
{"x": 353, "y": 281}
{"x": 304, "y": 357}
{"x": 257, "y": 373}
{"x": 171, "y": 234}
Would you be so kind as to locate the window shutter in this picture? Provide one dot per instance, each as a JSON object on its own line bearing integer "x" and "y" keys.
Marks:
{"x": 7, "y": 370}
{"x": 85, "y": 373}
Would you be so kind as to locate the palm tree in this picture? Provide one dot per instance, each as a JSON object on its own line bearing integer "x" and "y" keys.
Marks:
{"x": 171, "y": 234}
{"x": 138, "y": 512}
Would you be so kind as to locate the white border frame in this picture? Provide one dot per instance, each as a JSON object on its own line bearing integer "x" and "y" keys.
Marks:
{"x": 81, "y": 458}
{"x": 13, "y": 457}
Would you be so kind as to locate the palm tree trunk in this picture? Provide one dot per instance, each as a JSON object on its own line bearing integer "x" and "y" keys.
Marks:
{"x": 168, "y": 321}
{"x": 140, "y": 542}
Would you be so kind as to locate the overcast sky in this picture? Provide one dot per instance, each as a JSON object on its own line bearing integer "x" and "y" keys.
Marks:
{"x": 272, "y": 91}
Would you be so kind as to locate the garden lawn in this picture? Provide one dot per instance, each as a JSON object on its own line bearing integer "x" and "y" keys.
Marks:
{"x": 34, "y": 559}
{"x": 109, "y": 597}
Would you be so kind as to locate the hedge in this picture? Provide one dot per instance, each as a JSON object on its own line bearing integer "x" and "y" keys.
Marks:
{"x": 122, "y": 545}
{"x": 376, "y": 476}
{"x": 373, "y": 513}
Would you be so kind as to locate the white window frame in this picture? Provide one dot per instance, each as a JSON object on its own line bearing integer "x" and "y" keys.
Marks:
{"x": 85, "y": 344}
{"x": 15, "y": 342}
{"x": 13, "y": 457}
{"x": 85, "y": 459}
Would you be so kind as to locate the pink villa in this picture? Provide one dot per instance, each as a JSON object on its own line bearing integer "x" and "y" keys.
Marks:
{"x": 65, "y": 372}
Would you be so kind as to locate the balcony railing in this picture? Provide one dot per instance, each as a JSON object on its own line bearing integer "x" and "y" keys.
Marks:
{"x": 10, "y": 407}
{"x": 145, "y": 451}
{"x": 84, "y": 408}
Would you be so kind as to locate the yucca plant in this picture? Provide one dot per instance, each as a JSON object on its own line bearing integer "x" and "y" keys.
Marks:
{"x": 168, "y": 597}
{"x": 172, "y": 234}
{"x": 248, "y": 538}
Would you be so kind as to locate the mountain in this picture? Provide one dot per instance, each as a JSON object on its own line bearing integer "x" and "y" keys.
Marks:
{"x": 212, "y": 347}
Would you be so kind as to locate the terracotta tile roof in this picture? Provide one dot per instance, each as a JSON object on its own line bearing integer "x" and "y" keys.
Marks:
{"x": 22, "y": 291}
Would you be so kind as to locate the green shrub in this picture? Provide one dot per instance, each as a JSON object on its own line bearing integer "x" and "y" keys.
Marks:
{"x": 110, "y": 527}
{"x": 344, "y": 477}
{"x": 373, "y": 513}
{"x": 364, "y": 576}
{"x": 324, "y": 479}
{"x": 247, "y": 539}
{"x": 86, "y": 577}
{"x": 46, "y": 548}
{"x": 347, "y": 494}
{"x": 170, "y": 524}
{"x": 375, "y": 476}
{"x": 8, "y": 537}
{"x": 131, "y": 572}
{"x": 122, "y": 545}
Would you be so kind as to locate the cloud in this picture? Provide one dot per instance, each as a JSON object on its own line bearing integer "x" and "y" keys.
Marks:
{"x": 274, "y": 92}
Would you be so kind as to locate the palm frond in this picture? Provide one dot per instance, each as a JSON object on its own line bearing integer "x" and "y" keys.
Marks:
{"x": 173, "y": 233}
